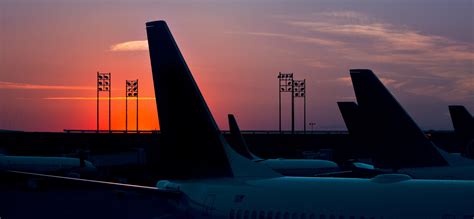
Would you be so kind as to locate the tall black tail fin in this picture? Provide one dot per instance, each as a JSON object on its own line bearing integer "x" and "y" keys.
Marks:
{"x": 239, "y": 144}
{"x": 463, "y": 124}
{"x": 351, "y": 116}
{"x": 188, "y": 129}
{"x": 397, "y": 140}
{"x": 353, "y": 119}
{"x": 192, "y": 146}
{"x": 462, "y": 120}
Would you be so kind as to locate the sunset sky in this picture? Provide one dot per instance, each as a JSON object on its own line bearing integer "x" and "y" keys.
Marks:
{"x": 51, "y": 50}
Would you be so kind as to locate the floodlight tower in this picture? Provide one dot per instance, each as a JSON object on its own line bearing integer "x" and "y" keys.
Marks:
{"x": 131, "y": 90}
{"x": 285, "y": 84}
{"x": 104, "y": 84}
{"x": 299, "y": 91}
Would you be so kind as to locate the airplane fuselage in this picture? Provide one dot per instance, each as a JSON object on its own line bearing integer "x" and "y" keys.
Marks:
{"x": 387, "y": 196}
{"x": 301, "y": 167}
{"x": 443, "y": 172}
{"x": 39, "y": 164}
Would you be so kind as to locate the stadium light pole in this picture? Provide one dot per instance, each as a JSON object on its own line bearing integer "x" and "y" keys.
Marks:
{"x": 110, "y": 101}
{"x": 104, "y": 84}
{"x": 285, "y": 84}
{"x": 299, "y": 91}
{"x": 136, "y": 94}
{"x": 131, "y": 91}
{"x": 127, "y": 90}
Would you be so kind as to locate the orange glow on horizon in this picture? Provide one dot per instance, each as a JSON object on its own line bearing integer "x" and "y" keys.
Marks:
{"x": 51, "y": 52}
{"x": 147, "y": 116}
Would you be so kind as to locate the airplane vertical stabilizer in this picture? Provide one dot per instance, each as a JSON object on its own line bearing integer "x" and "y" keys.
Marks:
{"x": 398, "y": 141}
{"x": 192, "y": 145}
{"x": 463, "y": 124}
{"x": 462, "y": 120}
{"x": 353, "y": 117}
{"x": 350, "y": 115}
{"x": 240, "y": 146}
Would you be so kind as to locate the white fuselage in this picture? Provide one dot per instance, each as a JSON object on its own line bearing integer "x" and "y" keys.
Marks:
{"x": 45, "y": 164}
{"x": 443, "y": 172}
{"x": 301, "y": 167}
{"x": 301, "y": 197}
{"x": 458, "y": 168}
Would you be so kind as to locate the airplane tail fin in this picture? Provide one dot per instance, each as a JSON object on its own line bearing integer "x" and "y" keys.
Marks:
{"x": 462, "y": 120}
{"x": 397, "y": 140}
{"x": 240, "y": 146}
{"x": 192, "y": 145}
{"x": 463, "y": 124}
{"x": 352, "y": 117}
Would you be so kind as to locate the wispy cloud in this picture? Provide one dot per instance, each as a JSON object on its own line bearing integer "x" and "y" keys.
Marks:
{"x": 294, "y": 38}
{"x": 443, "y": 65}
{"x": 137, "y": 45}
{"x": 95, "y": 98}
{"x": 389, "y": 43}
{"x": 316, "y": 63}
{"x": 458, "y": 90}
{"x": 27, "y": 86}
{"x": 347, "y": 16}
{"x": 386, "y": 81}
{"x": 345, "y": 80}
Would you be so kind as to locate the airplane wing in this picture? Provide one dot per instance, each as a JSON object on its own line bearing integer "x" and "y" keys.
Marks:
{"x": 353, "y": 172}
{"x": 77, "y": 182}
